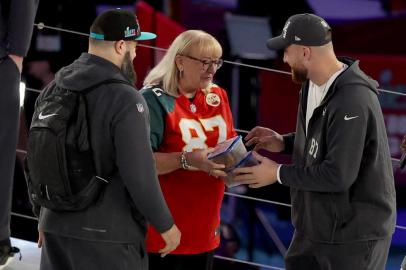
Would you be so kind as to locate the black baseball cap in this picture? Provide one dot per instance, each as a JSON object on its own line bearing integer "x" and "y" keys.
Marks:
{"x": 118, "y": 24}
{"x": 302, "y": 29}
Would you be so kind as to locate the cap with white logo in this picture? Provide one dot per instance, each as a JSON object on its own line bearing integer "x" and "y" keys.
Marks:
{"x": 302, "y": 29}
{"x": 118, "y": 24}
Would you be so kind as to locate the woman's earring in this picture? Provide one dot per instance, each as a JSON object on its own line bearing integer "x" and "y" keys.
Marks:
{"x": 180, "y": 72}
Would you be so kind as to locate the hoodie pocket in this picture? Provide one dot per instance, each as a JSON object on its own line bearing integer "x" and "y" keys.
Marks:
{"x": 335, "y": 215}
{"x": 298, "y": 217}
{"x": 342, "y": 212}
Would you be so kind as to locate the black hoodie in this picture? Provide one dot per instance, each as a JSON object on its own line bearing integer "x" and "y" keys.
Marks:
{"x": 341, "y": 179}
{"x": 119, "y": 130}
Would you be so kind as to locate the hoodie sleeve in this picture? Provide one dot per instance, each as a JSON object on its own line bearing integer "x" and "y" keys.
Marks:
{"x": 20, "y": 25}
{"x": 345, "y": 140}
{"x": 136, "y": 162}
{"x": 288, "y": 140}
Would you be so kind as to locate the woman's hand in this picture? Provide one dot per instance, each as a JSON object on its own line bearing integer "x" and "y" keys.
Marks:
{"x": 198, "y": 159}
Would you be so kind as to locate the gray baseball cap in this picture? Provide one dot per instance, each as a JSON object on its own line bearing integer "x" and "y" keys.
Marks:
{"x": 302, "y": 29}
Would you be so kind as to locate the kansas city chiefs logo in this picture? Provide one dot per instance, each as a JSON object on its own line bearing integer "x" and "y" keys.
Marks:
{"x": 213, "y": 99}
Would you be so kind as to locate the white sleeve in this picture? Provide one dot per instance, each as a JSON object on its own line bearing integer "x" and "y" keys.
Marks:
{"x": 278, "y": 175}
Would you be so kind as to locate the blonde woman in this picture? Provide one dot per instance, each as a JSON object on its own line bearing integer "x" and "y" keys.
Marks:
{"x": 189, "y": 115}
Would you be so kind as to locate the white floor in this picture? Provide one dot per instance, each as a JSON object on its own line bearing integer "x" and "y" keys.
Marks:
{"x": 30, "y": 256}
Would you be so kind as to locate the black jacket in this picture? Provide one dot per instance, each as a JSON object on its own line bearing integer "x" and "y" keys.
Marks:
{"x": 341, "y": 179}
{"x": 119, "y": 131}
{"x": 16, "y": 26}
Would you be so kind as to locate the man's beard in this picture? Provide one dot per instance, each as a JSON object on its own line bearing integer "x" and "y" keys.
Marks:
{"x": 127, "y": 68}
{"x": 299, "y": 75}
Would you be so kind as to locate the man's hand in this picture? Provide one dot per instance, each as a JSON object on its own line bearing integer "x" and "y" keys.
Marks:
{"x": 172, "y": 240}
{"x": 258, "y": 176}
{"x": 403, "y": 145}
{"x": 18, "y": 60}
{"x": 265, "y": 138}
{"x": 41, "y": 238}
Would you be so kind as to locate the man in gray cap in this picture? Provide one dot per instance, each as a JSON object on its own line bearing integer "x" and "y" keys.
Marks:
{"x": 341, "y": 178}
{"x": 110, "y": 233}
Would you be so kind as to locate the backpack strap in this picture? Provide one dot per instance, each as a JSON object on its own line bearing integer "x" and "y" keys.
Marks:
{"x": 109, "y": 81}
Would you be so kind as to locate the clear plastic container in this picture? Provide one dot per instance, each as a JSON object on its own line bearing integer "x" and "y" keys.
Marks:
{"x": 247, "y": 161}
{"x": 229, "y": 152}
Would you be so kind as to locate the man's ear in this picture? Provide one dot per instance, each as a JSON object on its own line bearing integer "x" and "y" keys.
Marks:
{"x": 120, "y": 47}
{"x": 307, "y": 53}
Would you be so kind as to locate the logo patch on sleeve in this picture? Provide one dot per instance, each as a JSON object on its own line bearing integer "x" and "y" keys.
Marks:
{"x": 140, "y": 107}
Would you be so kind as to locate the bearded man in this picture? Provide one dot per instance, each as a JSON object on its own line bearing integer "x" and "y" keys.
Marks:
{"x": 110, "y": 233}
{"x": 341, "y": 180}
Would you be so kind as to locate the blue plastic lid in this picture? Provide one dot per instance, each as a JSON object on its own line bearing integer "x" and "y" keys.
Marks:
{"x": 227, "y": 150}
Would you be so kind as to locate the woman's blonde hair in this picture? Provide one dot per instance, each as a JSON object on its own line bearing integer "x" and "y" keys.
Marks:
{"x": 167, "y": 73}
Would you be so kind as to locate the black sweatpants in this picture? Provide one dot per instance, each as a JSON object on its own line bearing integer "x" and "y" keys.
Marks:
{"x": 65, "y": 253}
{"x": 9, "y": 119}
{"x": 201, "y": 261}
{"x": 304, "y": 254}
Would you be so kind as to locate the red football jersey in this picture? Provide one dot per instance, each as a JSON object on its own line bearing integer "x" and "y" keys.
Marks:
{"x": 194, "y": 197}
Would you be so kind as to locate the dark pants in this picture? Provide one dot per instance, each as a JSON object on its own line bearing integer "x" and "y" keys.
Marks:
{"x": 9, "y": 118}
{"x": 304, "y": 254}
{"x": 201, "y": 261}
{"x": 65, "y": 253}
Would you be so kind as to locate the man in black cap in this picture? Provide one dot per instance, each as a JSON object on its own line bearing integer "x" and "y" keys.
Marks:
{"x": 16, "y": 25}
{"x": 110, "y": 233}
{"x": 341, "y": 179}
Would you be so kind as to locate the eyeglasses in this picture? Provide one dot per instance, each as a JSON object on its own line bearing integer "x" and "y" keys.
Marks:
{"x": 207, "y": 63}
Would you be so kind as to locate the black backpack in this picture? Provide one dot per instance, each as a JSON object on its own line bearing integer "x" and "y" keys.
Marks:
{"x": 60, "y": 169}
